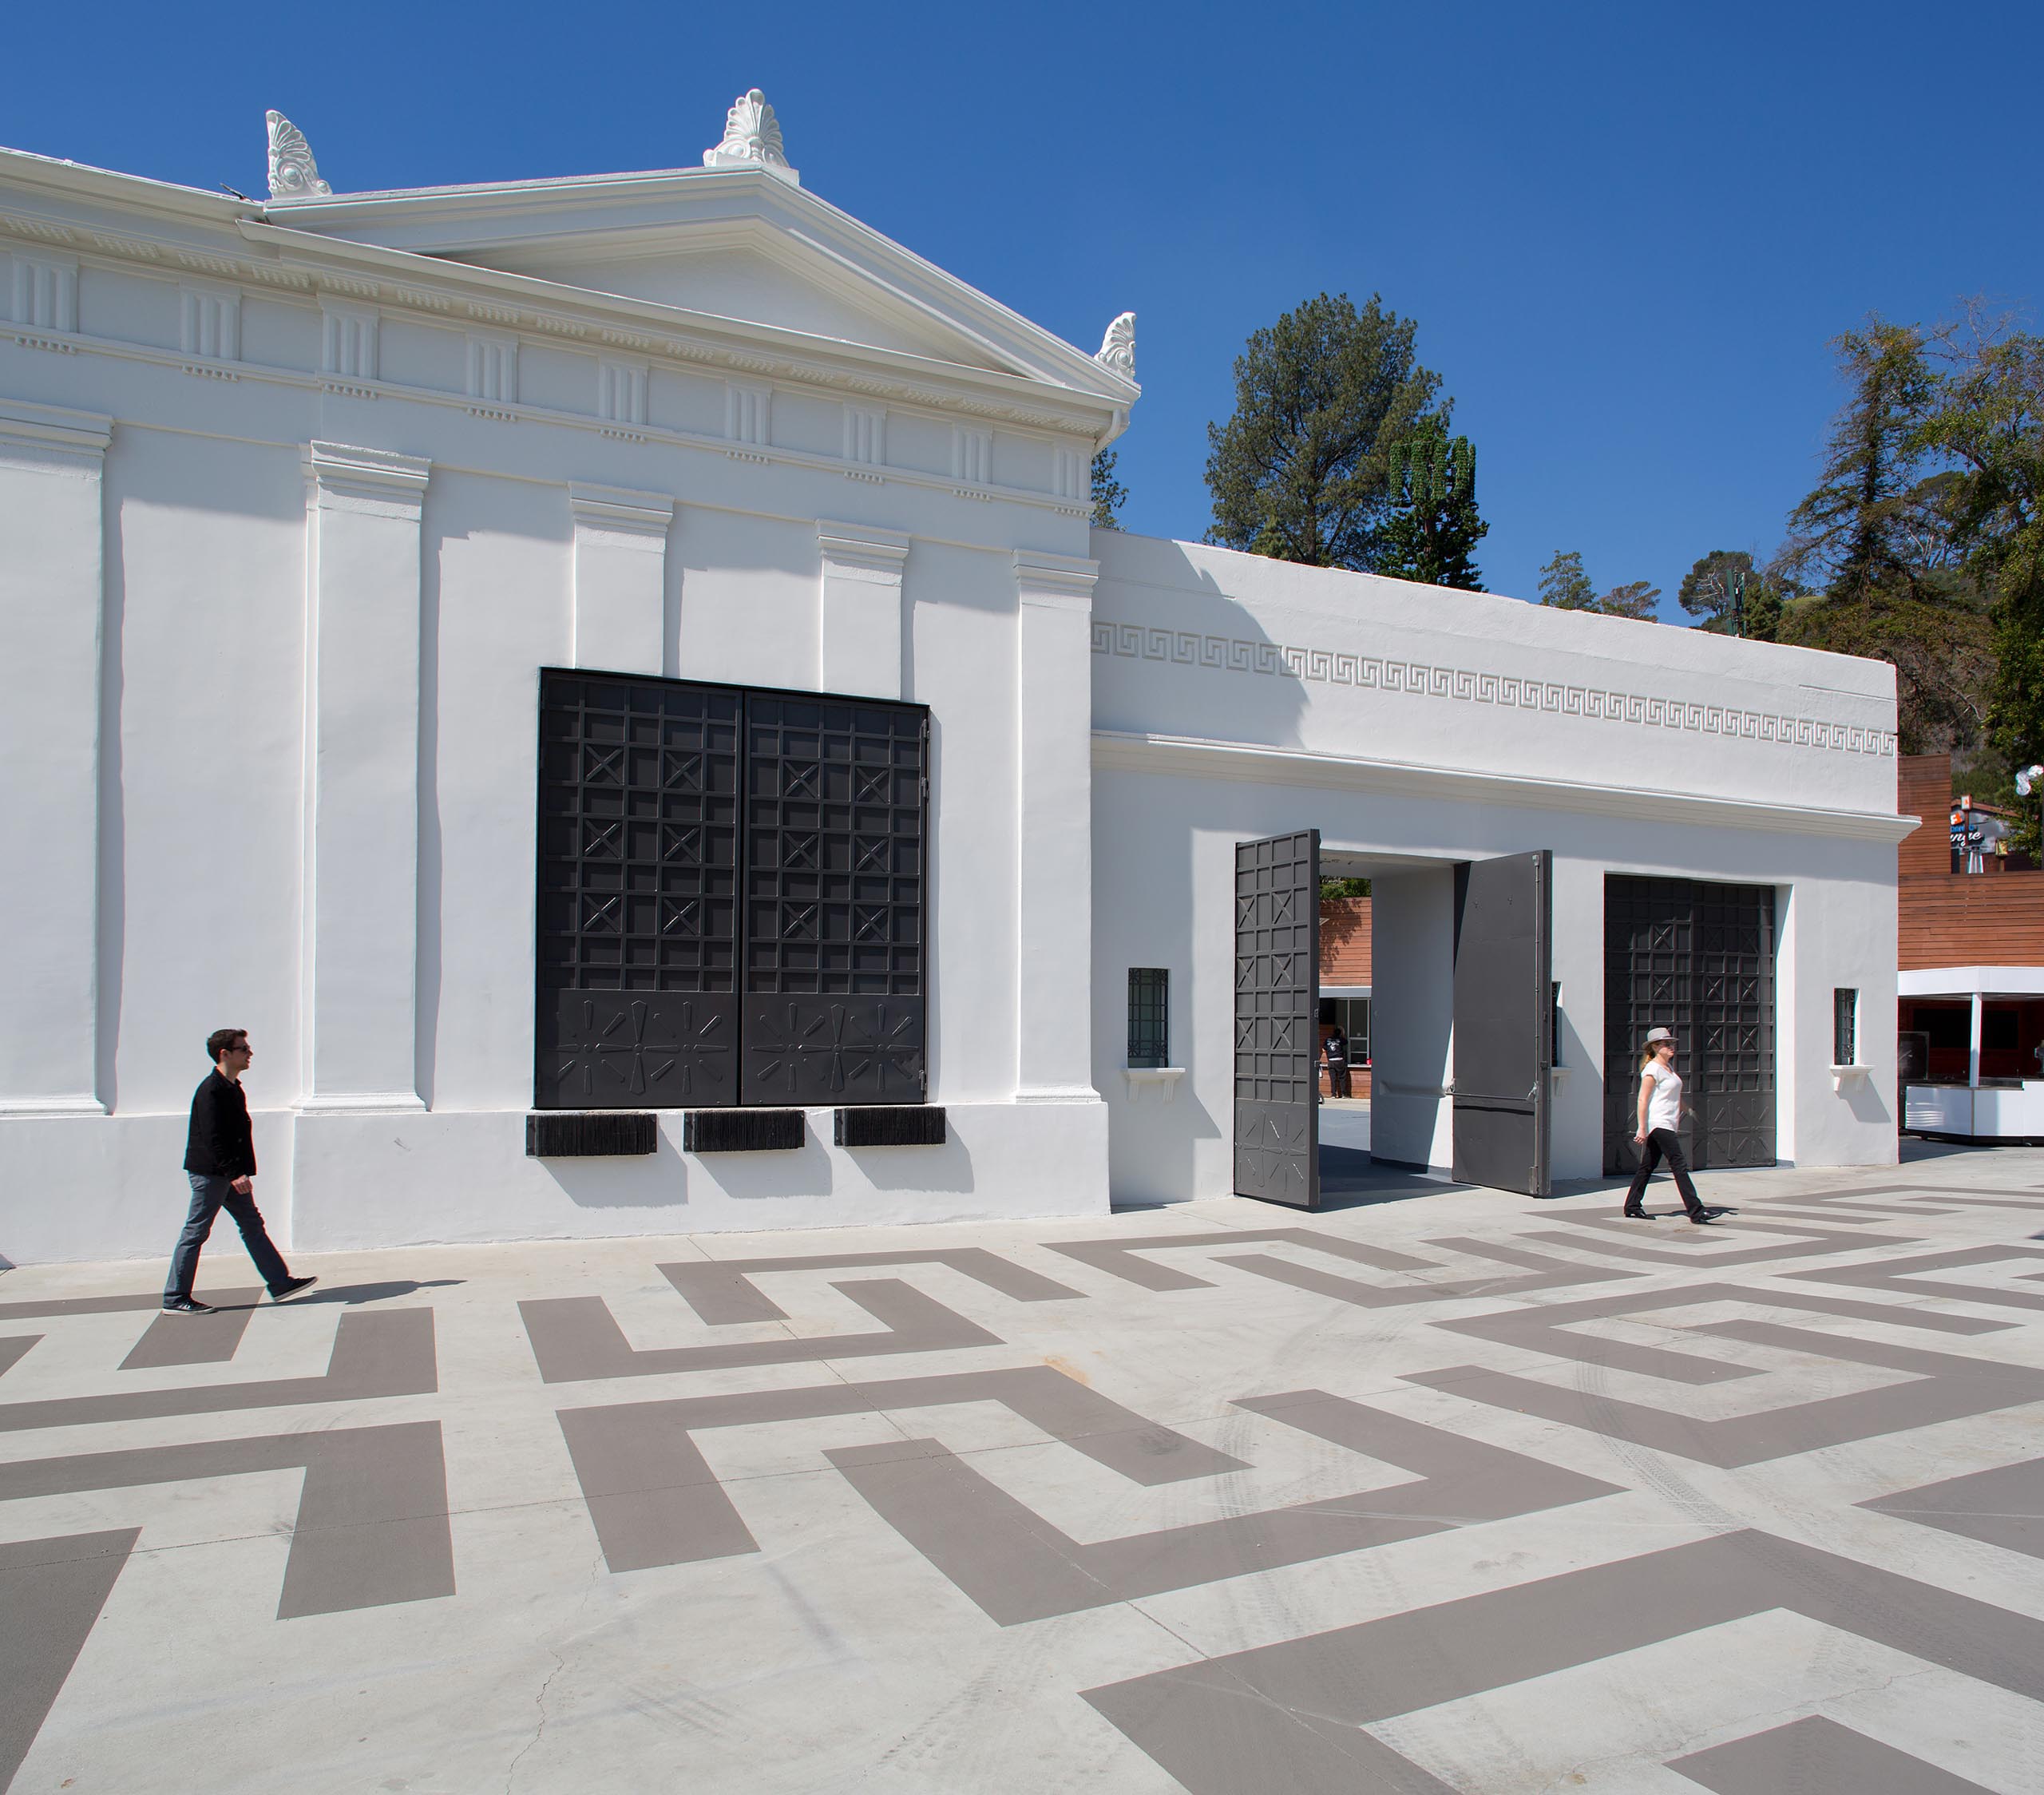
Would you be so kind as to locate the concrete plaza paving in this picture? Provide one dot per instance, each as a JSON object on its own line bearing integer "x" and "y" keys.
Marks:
{"x": 1440, "y": 1490}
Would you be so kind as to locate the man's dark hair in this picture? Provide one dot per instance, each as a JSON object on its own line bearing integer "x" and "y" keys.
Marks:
{"x": 220, "y": 1040}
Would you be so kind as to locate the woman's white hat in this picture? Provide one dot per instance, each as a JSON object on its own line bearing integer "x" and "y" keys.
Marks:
{"x": 1654, "y": 1034}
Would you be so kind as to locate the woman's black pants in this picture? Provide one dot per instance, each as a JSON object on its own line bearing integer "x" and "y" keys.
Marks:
{"x": 1664, "y": 1144}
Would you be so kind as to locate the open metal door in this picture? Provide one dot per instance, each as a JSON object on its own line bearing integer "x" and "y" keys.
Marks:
{"x": 1277, "y": 1011}
{"x": 1504, "y": 1021}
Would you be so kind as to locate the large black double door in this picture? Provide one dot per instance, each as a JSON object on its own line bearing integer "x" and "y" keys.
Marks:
{"x": 731, "y": 905}
{"x": 1697, "y": 957}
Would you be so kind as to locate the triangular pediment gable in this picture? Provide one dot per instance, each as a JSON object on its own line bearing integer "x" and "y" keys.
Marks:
{"x": 720, "y": 243}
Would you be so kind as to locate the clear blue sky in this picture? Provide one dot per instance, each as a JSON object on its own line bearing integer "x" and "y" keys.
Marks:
{"x": 1626, "y": 232}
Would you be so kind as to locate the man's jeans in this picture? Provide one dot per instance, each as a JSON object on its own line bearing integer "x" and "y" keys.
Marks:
{"x": 209, "y": 1196}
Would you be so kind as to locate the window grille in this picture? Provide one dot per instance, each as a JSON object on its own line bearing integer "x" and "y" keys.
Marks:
{"x": 1845, "y": 1027}
{"x": 1149, "y": 1016}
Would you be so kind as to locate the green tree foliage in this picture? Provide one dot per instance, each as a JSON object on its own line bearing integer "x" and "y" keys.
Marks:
{"x": 1564, "y": 585}
{"x": 1988, "y": 420}
{"x": 1731, "y": 596}
{"x": 1331, "y": 889}
{"x": 1635, "y": 599}
{"x": 1301, "y": 470}
{"x": 1874, "y": 538}
{"x": 1434, "y": 525}
{"x": 1109, "y": 493}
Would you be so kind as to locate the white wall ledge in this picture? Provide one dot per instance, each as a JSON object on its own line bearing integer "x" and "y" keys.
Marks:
{"x": 1160, "y": 1078}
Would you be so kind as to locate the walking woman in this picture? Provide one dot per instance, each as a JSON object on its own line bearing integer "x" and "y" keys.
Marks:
{"x": 1660, "y": 1115}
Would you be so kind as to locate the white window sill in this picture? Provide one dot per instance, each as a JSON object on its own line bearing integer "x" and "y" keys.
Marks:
{"x": 1843, "y": 1075}
{"x": 1163, "y": 1078}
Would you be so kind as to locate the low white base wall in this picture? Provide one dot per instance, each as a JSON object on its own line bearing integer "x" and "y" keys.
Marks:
{"x": 110, "y": 1187}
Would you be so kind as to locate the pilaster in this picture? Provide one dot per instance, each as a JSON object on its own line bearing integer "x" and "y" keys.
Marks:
{"x": 860, "y": 630}
{"x": 1054, "y": 706}
{"x": 51, "y": 596}
{"x": 361, "y": 955}
{"x": 620, "y": 578}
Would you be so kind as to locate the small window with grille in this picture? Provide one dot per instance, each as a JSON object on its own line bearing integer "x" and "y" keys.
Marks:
{"x": 1149, "y": 1016}
{"x": 1845, "y": 1027}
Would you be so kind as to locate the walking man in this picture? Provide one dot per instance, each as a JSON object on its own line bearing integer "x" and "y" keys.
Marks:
{"x": 219, "y": 1155}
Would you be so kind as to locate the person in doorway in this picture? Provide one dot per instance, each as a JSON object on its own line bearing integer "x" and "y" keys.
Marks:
{"x": 220, "y": 1158}
{"x": 1335, "y": 1048}
{"x": 1659, "y": 1115}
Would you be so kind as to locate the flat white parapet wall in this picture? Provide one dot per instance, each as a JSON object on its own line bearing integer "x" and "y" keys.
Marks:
{"x": 1204, "y": 644}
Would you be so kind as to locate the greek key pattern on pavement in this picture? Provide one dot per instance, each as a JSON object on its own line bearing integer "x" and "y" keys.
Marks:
{"x": 1365, "y": 1502}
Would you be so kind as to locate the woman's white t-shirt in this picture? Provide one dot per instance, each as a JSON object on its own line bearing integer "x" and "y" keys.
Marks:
{"x": 1664, "y": 1108}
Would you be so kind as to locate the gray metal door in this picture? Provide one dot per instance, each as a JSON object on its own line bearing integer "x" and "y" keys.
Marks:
{"x": 1504, "y": 1022}
{"x": 1276, "y": 1008}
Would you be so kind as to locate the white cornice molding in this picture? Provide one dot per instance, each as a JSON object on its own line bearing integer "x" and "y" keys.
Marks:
{"x": 1059, "y": 582}
{"x": 617, "y": 511}
{"x": 1197, "y": 757}
{"x": 391, "y": 483}
{"x": 54, "y": 435}
{"x": 862, "y": 547}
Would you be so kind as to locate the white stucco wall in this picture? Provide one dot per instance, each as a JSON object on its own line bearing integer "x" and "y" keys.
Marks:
{"x": 1199, "y": 745}
{"x": 270, "y": 684}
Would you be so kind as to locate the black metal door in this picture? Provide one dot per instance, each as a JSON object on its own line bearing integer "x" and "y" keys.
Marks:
{"x": 637, "y": 1004}
{"x": 834, "y": 852}
{"x": 1698, "y": 957}
{"x": 1504, "y": 1022}
{"x": 1277, "y": 1009}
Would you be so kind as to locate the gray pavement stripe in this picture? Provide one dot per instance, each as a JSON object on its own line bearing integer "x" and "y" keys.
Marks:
{"x": 1544, "y": 1330}
{"x": 1118, "y": 1258}
{"x": 52, "y": 1591}
{"x": 2003, "y": 1507}
{"x": 722, "y": 1290}
{"x": 1290, "y": 1716}
{"x": 653, "y": 1500}
{"x": 1704, "y": 1248}
{"x": 1018, "y": 1567}
{"x": 372, "y": 1527}
{"x": 1396, "y": 1296}
{"x": 139, "y": 1301}
{"x": 1815, "y": 1754}
{"x": 576, "y": 1339}
{"x": 1948, "y": 1387}
{"x": 1899, "y": 1276}
{"x": 389, "y": 1354}
{"x": 14, "y": 1348}
{"x": 189, "y": 1340}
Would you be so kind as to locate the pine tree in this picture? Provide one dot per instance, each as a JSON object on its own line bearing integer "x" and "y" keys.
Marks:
{"x": 1302, "y": 470}
{"x": 1434, "y": 526}
{"x": 1730, "y": 596}
{"x": 1634, "y": 600}
{"x": 1564, "y": 584}
{"x": 1109, "y": 493}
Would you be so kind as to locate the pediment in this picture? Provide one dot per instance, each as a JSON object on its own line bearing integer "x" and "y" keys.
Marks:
{"x": 722, "y": 244}
{"x": 753, "y": 282}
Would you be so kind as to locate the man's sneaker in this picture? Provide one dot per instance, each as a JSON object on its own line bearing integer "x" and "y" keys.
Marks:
{"x": 186, "y": 1305}
{"x": 291, "y": 1287}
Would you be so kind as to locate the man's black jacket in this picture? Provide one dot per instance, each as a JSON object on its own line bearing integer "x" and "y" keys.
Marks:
{"x": 221, "y": 1142}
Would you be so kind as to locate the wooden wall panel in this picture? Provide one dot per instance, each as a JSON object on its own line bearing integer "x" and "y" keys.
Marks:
{"x": 1923, "y": 789}
{"x": 1948, "y": 921}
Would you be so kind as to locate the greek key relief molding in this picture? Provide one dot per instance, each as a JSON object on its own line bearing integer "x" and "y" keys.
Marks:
{"x": 1475, "y": 686}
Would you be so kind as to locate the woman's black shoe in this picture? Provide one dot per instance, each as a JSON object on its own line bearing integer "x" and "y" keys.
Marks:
{"x": 1633, "y": 1214}
{"x": 1706, "y": 1214}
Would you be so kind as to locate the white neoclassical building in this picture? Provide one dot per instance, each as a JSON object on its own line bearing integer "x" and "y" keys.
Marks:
{"x": 610, "y": 682}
